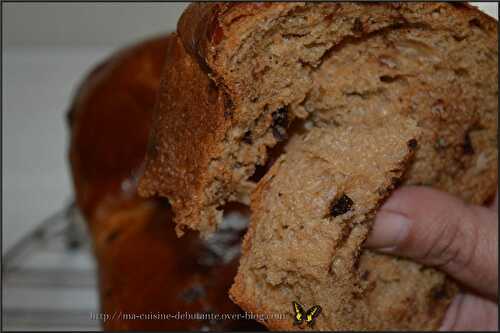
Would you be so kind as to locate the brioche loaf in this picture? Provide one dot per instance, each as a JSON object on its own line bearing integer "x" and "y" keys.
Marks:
{"x": 143, "y": 268}
{"x": 238, "y": 80}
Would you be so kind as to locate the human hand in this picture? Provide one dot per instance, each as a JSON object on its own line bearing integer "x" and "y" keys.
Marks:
{"x": 439, "y": 230}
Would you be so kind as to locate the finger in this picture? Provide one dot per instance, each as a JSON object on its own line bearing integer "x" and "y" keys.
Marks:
{"x": 469, "y": 312}
{"x": 437, "y": 229}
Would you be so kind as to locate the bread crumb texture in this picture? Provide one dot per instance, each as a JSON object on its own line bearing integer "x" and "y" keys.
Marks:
{"x": 297, "y": 250}
{"x": 240, "y": 75}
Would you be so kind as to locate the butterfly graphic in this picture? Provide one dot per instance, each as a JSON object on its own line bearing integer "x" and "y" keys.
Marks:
{"x": 308, "y": 316}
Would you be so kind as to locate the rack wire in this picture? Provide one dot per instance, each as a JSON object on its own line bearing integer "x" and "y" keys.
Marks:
{"x": 49, "y": 277}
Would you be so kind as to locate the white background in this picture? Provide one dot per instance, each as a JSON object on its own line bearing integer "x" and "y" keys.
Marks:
{"x": 47, "y": 49}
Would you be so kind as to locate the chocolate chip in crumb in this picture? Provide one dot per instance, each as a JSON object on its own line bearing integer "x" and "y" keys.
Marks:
{"x": 247, "y": 138}
{"x": 280, "y": 123}
{"x": 228, "y": 103}
{"x": 439, "y": 293}
{"x": 228, "y": 106}
{"x": 388, "y": 78}
{"x": 279, "y": 133}
{"x": 475, "y": 22}
{"x": 341, "y": 206}
{"x": 357, "y": 27}
{"x": 412, "y": 144}
{"x": 396, "y": 181}
{"x": 467, "y": 146}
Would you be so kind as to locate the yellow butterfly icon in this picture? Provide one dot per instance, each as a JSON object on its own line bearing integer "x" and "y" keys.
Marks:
{"x": 308, "y": 316}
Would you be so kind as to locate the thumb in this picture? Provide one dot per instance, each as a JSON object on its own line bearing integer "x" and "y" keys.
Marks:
{"x": 437, "y": 229}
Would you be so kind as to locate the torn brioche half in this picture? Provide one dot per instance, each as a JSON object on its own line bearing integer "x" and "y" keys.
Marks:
{"x": 310, "y": 216}
{"x": 239, "y": 74}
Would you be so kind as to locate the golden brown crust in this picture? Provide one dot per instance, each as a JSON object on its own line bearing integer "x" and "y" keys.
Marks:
{"x": 113, "y": 88}
{"x": 195, "y": 33}
{"x": 200, "y": 26}
{"x": 195, "y": 107}
{"x": 190, "y": 106}
{"x": 201, "y": 31}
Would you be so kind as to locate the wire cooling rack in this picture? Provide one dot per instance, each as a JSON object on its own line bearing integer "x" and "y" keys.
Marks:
{"x": 49, "y": 277}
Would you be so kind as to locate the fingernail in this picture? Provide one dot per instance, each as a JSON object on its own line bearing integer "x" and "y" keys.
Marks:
{"x": 450, "y": 317}
{"x": 388, "y": 231}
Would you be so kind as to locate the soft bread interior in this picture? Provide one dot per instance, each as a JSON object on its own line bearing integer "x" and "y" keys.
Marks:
{"x": 346, "y": 64}
{"x": 310, "y": 216}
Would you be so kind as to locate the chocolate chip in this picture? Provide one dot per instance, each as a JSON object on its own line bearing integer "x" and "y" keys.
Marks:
{"x": 247, "y": 138}
{"x": 396, "y": 181}
{"x": 357, "y": 28}
{"x": 279, "y": 133}
{"x": 412, "y": 144}
{"x": 365, "y": 275}
{"x": 467, "y": 146}
{"x": 228, "y": 102}
{"x": 280, "y": 123}
{"x": 439, "y": 293}
{"x": 228, "y": 105}
{"x": 341, "y": 206}
{"x": 113, "y": 235}
{"x": 193, "y": 294}
{"x": 389, "y": 78}
{"x": 459, "y": 38}
{"x": 461, "y": 71}
{"x": 475, "y": 22}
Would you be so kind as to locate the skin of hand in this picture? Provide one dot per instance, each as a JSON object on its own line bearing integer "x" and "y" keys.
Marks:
{"x": 436, "y": 229}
